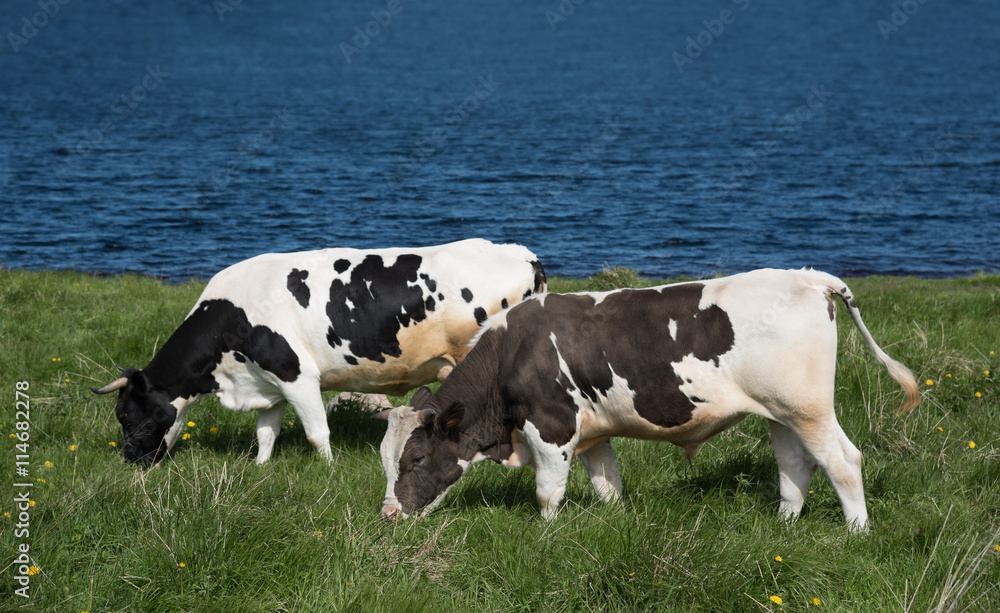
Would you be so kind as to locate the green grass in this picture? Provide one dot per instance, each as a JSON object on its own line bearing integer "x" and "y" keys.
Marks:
{"x": 300, "y": 535}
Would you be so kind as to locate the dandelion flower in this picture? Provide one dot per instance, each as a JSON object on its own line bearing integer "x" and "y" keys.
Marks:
{"x": 72, "y": 447}
{"x": 31, "y": 503}
{"x": 40, "y": 480}
{"x": 48, "y": 464}
{"x": 986, "y": 372}
{"x": 290, "y": 423}
{"x": 112, "y": 443}
{"x": 776, "y": 600}
{"x": 940, "y": 429}
{"x": 33, "y": 570}
{"x": 972, "y": 445}
{"x": 12, "y": 435}
{"x": 810, "y": 491}
{"x": 186, "y": 436}
{"x": 993, "y": 353}
{"x": 930, "y": 382}
{"x": 979, "y": 395}
{"x": 181, "y": 565}
{"x": 815, "y": 602}
{"x": 995, "y": 547}
{"x": 213, "y": 430}
{"x": 7, "y": 515}
{"x": 318, "y": 534}
{"x": 777, "y": 558}
{"x": 949, "y": 376}
{"x": 67, "y": 380}
{"x": 632, "y": 574}
{"x": 190, "y": 424}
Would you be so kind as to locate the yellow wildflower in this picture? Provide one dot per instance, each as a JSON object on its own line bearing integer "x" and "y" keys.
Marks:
{"x": 948, "y": 375}
{"x": 986, "y": 372}
{"x": 181, "y": 565}
{"x": 979, "y": 395}
{"x": 810, "y": 491}
{"x": 67, "y": 380}
{"x": 32, "y": 570}
{"x": 40, "y": 480}
{"x": 996, "y": 547}
{"x": 190, "y": 424}
{"x": 777, "y": 558}
{"x": 815, "y": 602}
{"x": 72, "y": 447}
{"x": 31, "y": 503}
{"x": 776, "y": 600}
{"x": 48, "y": 464}
{"x": 930, "y": 382}
{"x": 318, "y": 534}
{"x": 12, "y": 435}
{"x": 7, "y": 515}
{"x": 213, "y": 430}
{"x": 112, "y": 443}
{"x": 972, "y": 445}
{"x": 940, "y": 429}
{"x": 186, "y": 436}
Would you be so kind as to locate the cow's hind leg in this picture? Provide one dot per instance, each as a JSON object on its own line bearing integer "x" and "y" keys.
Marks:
{"x": 795, "y": 469}
{"x": 841, "y": 461}
{"x": 602, "y": 467}
{"x": 268, "y": 427}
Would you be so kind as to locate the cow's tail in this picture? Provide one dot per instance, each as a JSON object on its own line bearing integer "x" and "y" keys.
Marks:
{"x": 899, "y": 372}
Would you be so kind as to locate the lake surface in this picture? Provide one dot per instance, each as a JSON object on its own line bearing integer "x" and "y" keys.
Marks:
{"x": 677, "y": 138}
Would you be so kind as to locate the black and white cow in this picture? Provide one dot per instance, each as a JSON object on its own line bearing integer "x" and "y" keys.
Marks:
{"x": 280, "y": 328}
{"x": 559, "y": 374}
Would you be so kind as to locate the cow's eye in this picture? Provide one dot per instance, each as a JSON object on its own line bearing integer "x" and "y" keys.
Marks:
{"x": 418, "y": 460}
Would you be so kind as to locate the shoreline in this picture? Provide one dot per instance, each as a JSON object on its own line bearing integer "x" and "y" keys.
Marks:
{"x": 642, "y": 277}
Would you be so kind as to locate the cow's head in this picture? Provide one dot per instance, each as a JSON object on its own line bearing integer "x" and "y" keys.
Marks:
{"x": 145, "y": 414}
{"x": 420, "y": 455}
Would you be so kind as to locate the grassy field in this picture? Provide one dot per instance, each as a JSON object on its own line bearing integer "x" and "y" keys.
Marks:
{"x": 211, "y": 531}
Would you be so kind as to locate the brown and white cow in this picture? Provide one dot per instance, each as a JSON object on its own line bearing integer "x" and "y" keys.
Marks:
{"x": 280, "y": 328}
{"x": 559, "y": 375}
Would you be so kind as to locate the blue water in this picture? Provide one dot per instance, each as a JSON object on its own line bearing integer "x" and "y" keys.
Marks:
{"x": 175, "y": 138}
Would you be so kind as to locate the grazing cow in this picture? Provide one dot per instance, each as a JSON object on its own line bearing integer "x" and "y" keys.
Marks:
{"x": 559, "y": 374}
{"x": 282, "y": 327}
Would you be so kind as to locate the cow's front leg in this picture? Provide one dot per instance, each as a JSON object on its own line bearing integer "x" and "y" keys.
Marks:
{"x": 552, "y": 464}
{"x": 268, "y": 427}
{"x": 174, "y": 433}
{"x": 601, "y": 465}
{"x": 307, "y": 401}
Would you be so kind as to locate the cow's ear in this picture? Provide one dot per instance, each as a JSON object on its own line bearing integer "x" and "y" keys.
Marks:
{"x": 420, "y": 397}
{"x": 140, "y": 383}
{"x": 382, "y": 415}
{"x": 449, "y": 419}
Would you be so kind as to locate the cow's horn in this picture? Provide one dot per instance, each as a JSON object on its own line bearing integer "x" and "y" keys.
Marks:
{"x": 121, "y": 369}
{"x": 110, "y": 387}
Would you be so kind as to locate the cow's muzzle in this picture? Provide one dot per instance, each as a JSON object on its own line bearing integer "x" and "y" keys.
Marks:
{"x": 393, "y": 512}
